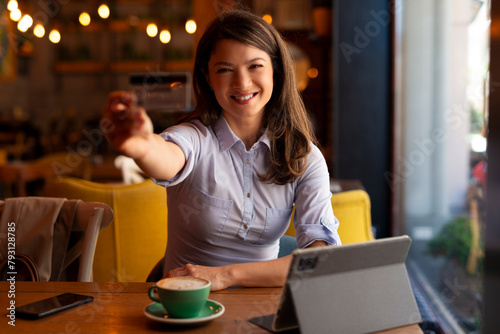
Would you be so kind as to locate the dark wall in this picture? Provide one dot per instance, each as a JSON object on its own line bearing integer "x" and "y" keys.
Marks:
{"x": 491, "y": 294}
{"x": 362, "y": 100}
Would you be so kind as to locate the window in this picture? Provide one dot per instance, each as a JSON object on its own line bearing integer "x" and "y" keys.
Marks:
{"x": 442, "y": 67}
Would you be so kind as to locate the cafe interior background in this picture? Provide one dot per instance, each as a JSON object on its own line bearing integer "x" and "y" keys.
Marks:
{"x": 397, "y": 91}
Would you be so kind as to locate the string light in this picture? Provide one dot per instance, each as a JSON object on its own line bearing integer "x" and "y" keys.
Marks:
{"x": 103, "y": 11}
{"x": 11, "y": 5}
{"x": 84, "y": 19}
{"x": 152, "y": 30}
{"x": 15, "y": 15}
{"x": 165, "y": 36}
{"x": 55, "y": 36}
{"x": 25, "y": 23}
{"x": 39, "y": 30}
{"x": 191, "y": 26}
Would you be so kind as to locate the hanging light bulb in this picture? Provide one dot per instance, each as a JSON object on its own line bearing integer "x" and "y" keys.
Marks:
{"x": 103, "y": 11}
{"x": 55, "y": 36}
{"x": 165, "y": 36}
{"x": 190, "y": 26}
{"x": 39, "y": 30}
{"x": 25, "y": 23}
{"x": 84, "y": 19}
{"x": 11, "y": 5}
{"x": 268, "y": 18}
{"x": 152, "y": 30}
{"x": 15, "y": 15}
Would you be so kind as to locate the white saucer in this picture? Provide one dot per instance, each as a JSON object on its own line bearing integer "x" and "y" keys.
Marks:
{"x": 212, "y": 310}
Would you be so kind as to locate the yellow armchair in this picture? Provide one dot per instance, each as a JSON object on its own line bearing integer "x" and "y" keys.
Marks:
{"x": 352, "y": 209}
{"x": 128, "y": 249}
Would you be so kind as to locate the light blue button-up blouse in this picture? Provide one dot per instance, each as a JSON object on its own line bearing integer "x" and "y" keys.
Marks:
{"x": 220, "y": 213}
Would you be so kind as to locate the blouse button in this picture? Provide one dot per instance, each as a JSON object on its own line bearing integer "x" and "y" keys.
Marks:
{"x": 248, "y": 194}
{"x": 247, "y": 161}
{"x": 245, "y": 226}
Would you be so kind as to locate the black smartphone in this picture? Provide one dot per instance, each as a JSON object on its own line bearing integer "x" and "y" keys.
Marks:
{"x": 45, "y": 307}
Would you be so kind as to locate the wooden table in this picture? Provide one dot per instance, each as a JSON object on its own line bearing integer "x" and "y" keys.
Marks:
{"x": 20, "y": 173}
{"x": 118, "y": 308}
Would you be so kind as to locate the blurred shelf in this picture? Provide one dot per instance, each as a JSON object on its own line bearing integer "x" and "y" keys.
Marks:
{"x": 80, "y": 67}
{"x": 124, "y": 25}
{"x": 178, "y": 65}
{"x": 150, "y": 65}
{"x": 130, "y": 66}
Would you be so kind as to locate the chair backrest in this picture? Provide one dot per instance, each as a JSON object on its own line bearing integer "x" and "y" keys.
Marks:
{"x": 138, "y": 237}
{"x": 66, "y": 231}
{"x": 352, "y": 209}
{"x": 91, "y": 218}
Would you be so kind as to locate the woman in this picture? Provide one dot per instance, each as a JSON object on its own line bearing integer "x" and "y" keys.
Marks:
{"x": 235, "y": 167}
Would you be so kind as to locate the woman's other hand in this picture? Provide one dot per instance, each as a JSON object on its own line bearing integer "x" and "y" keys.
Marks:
{"x": 218, "y": 276}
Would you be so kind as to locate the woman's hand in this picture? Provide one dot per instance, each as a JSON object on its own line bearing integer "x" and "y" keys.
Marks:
{"x": 126, "y": 126}
{"x": 253, "y": 274}
{"x": 218, "y": 276}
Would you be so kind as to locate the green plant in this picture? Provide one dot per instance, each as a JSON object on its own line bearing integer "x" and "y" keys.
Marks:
{"x": 453, "y": 241}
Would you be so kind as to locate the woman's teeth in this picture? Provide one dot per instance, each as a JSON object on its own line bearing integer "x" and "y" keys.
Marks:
{"x": 244, "y": 98}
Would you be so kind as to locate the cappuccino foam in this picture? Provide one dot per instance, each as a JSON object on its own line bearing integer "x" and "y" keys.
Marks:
{"x": 181, "y": 283}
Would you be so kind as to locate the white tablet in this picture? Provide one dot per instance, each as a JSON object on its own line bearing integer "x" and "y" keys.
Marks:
{"x": 355, "y": 288}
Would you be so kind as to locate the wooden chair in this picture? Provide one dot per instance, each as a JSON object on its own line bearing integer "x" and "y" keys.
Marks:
{"x": 74, "y": 231}
{"x": 353, "y": 210}
{"x": 137, "y": 239}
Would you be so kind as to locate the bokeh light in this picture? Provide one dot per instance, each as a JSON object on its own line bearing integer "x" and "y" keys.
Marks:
{"x": 312, "y": 72}
{"x": 191, "y": 26}
{"x": 25, "y": 23}
{"x": 39, "y": 30}
{"x": 103, "y": 11}
{"x": 15, "y": 15}
{"x": 84, "y": 19}
{"x": 152, "y": 30}
{"x": 12, "y": 5}
{"x": 165, "y": 36}
{"x": 55, "y": 36}
{"x": 268, "y": 18}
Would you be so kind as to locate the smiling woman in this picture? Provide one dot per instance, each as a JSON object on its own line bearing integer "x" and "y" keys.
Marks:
{"x": 236, "y": 166}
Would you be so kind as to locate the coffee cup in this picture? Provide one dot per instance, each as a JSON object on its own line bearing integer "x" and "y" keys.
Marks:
{"x": 182, "y": 297}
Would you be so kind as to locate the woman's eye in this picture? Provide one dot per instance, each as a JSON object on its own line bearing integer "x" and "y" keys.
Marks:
{"x": 222, "y": 70}
{"x": 256, "y": 66}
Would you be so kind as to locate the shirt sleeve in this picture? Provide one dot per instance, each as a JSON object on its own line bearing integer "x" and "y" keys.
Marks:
{"x": 187, "y": 137}
{"x": 314, "y": 218}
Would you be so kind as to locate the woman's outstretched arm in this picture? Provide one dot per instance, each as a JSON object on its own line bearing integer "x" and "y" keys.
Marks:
{"x": 130, "y": 131}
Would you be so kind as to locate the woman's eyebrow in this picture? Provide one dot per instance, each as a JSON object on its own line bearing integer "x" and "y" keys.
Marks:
{"x": 225, "y": 63}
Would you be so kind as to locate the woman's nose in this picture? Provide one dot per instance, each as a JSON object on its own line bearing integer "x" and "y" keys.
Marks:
{"x": 241, "y": 80}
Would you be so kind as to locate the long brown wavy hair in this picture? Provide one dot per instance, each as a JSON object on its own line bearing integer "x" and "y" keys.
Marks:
{"x": 289, "y": 128}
